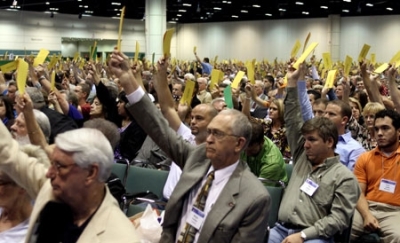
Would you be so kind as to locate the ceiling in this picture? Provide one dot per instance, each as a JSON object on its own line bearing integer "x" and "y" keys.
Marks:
{"x": 198, "y": 11}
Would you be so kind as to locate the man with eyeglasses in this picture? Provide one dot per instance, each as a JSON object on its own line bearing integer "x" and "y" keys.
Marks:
{"x": 236, "y": 208}
{"x": 72, "y": 202}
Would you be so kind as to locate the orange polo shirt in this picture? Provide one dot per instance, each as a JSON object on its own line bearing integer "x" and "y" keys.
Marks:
{"x": 373, "y": 166}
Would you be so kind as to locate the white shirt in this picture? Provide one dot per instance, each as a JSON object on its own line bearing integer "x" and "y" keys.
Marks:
{"x": 16, "y": 234}
{"x": 221, "y": 177}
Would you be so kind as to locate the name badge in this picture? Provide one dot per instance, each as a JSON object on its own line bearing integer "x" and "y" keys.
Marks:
{"x": 309, "y": 187}
{"x": 387, "y": 186}
{"x": 195, "y": 218}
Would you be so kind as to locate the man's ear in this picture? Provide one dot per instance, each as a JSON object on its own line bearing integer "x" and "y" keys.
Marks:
{"x": 330, "y": 142}
{"x": 93, "y": 173}
{"x": 240, "y": 144}
{"x": 345, "y": 120}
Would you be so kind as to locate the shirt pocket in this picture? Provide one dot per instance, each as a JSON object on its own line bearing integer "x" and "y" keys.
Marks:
{"x": 324, "y": 195}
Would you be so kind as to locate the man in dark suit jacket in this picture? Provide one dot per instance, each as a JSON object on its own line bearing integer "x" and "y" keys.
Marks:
{"x": 239, "y": 212}
{"x": 255, "y": 109}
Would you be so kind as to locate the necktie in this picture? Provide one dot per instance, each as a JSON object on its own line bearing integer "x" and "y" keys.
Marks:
{"x": 188, "y": 233}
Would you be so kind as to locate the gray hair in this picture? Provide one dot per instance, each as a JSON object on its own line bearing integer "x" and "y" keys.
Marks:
{"x": 109, "y": 129}
{"x": 89, "y": 146}
{"x": 44, "y": 123}
{"x": 36, "y": 96}
{"x": 241, "y": 125}
{"x": 189, "y": 76}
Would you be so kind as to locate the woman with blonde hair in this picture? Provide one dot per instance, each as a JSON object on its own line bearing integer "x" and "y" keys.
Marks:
{"x": 367, "y": 136}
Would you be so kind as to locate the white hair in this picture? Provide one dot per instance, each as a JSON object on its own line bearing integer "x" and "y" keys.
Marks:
{"x": 43, "y": 122}
{"x": 189, "y": 76}
{"x": 89, "y": 146}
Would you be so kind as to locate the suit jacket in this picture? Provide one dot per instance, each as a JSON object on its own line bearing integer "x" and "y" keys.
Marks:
{"x": 259, "y": 112}
{"x": 108, "y": 224}
{"x": 240, "y": 213}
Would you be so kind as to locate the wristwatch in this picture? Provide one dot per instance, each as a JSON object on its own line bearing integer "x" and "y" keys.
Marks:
{"x": 303, "y": 235}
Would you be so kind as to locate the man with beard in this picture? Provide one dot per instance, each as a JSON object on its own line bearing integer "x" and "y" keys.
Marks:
{"x": 377, "y": 171}
{"x": 322, "y": 193}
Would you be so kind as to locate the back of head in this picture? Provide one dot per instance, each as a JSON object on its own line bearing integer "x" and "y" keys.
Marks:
{"x": 394, "y": 115}
{"x": 44, "y": 123}
{"x": 345, "y": 108}
{"x": 241, "y": 125}
{"x": 326, "y": 129}
{"x": 36, "y": 96}
{"x": 88, "y": 146}
{"x": 109, "y": 130}
{"x": 206, "y": 59}
{"x": 316, "y": 94}
{"x": 257, "y": 133}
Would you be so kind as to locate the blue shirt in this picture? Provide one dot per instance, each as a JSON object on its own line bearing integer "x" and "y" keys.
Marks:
{"x": 207, "y": 68}
{"x": 349, "y": 150}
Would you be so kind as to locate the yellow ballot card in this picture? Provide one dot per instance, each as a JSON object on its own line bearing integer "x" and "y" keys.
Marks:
{"x": 395, "y": 58}
{"x": 295, "y": 49}
{"x": 9, "y": 67}
{"x": 237, "y": 79}
{"x": 323, "y": 73}
{"x": 167, "y": 42}
{"x": 53, "y": 61}
{"x": 137, "y": 51}
{"x": 76, "y": 56}
{"x": 41, "y": 56}
{"x": 250, "y": 72}
{"x": 305, "y": 54}
{"x": 373, "y": 58}
{"x": 53, "y": 80}
{"x": 330, "y": 79}
{"x": 194, "y": 49}
{"x": 326, "y": 57}
{"x": 152, "y": 59}
{"x": 215, "y": 59}
{"x": 121, "y": 23}
{"x": 306, "y": 41}
{"x": 397, "y": 64}
{"x": 347, "y": 65}
{"x": 216, "y": 76}
{"x": 188, "y": 94}
{"x": 381, "y": 68}
{"x": 364, "y": 52}
{"x": 22, "y": 75}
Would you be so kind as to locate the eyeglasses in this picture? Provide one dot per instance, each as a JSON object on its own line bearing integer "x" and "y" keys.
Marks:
{"x": 60, "y": 167}
{"x": 219, "y": 134}
{"x": 5, "y": 183}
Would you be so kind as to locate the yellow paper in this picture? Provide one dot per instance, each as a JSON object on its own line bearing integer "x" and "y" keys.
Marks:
{"x": 326, "y": 57}
{"x": 381, "y": 68}
{"x": 215, "y": 59}
{"x": 306, "y": 41}
{"x": 22, "y": 75}
{"x": 323, "y": 73}
{"x": 16, "y": 57}
{"x": 397, "y": 64}
{"x": 216, "y": 76}
{"x": 137, "y": 51}
{"x": 41, "y": 56}
{"x": 194, "y": 49}
{"x": 373, "y": 58}
{"x": 250, "y": 72}
{"x": 364, "y": 52}
{"x": 395, "y": 58}
{"x": 347, "y": 65}
{"x": 237, "y": 79}
{"x": 167, "y": 42}
{"x": 9, "y": 67}
{"x": 305, "y": 54}
{"x": 53, "y": 62}
{"x": 82, "y": 64}
{"x": 188, "y": 94}
{"x": 295, "y": 49}
{"x": 330, "y": 79}
{"x": 121, "y": 22}
{"x": 76, "y": 56}
{"x": 53, "y": 80}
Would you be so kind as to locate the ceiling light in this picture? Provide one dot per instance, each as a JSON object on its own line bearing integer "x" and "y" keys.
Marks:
{"x": 390, "y": 9}
{"x": 201, "y": 18}
{"x": 216, "y": 8}
{"x": 118, "y": 14}
{"x": 325, "y": 7}
{"x": 86, "y": 15}
{"x": 244, "y": 11}
{"x": 349, "y": 1}
{"x": 235, "y": 16}
{"x": 172, "y": 22}
{"x": 179, "y": 15}
{"x": 345, "y": 10}
{"x": 223, "y": 1}
{"x": 115, "y": 17}
{"x": 86, "y": 6}
{"x": 282, "y": 10}
{"x": 79, "y": 0}
{"x": 47, "y": 3}
{"x": 299, "y": 3}
{"x": 182, "y": 10}
{"x": 115, "y": 3}
{"x": 305, "y": 13}
{"x": 228, "y": 2}
{"x": 53, "y": 9}
{"x": 268, "y": 14}
{"x": 187, "y": 4}
{"x": 369, "y": 5}
{"x": 88, "y": 11}
{"x": 256, "y": 6}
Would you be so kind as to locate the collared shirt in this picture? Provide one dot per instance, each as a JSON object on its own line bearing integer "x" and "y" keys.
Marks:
{"x": 349, "y": 150}
{"x": 221, "y": 177}
{"x": 331, "y": 207}
{"x": 372, "y": 167}
{"x": 15, "y": 234}
{"x": 207, "y": 68}
{"x": 204, "y": 97}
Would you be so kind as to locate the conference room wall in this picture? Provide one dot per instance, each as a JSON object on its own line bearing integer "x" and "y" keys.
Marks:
{"x": 275, "y": 38}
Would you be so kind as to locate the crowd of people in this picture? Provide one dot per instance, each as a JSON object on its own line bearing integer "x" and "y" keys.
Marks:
{"x": 59, "y": 143}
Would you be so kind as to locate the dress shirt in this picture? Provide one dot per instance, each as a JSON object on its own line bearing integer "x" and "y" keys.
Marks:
{"x": 349, "y": 150}
{"x": 221, "y": 177}
{"x": 16, "y": 234}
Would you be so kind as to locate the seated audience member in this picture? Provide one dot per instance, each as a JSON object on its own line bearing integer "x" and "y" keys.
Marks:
{"x": 72, "y": 202}
{"x": 367, "y": 136}
{"x": 322, "y": 193}
{"x": 219, "y": 104}
{"x": 313, "y": 95}
{"x": 109, "y": 130}
{"x": 6, "y": 111}
{"x": 223, "y": 205}
{"x": 258, "y": 109}
{"x": 203, "y": 95}
{"x": 264, "y": 158}
{"x": 15, "y": 203}
{"x": 318, "y": 107}
{"x": 378, "y": 209}
{"x": 59, "y": 123}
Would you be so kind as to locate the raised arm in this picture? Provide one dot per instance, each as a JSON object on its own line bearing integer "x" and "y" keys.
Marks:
{"x": 394, "y": 91}
{"x": 305, "y": 104}
{"x": 371, "y": 86}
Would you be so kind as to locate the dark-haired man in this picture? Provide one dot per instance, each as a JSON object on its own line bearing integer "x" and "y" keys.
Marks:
{"x": 377, "y": 171}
